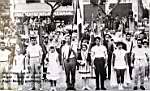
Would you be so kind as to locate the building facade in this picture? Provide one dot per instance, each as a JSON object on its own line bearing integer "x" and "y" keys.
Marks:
{"x": 38, "y": 8}
{"x": 135, "y": 5}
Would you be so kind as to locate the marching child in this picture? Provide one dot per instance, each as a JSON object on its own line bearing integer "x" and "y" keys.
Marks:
{"x": 53, "y": 68}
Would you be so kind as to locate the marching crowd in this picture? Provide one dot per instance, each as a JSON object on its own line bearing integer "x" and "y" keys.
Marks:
{"x": 121, "y": 57}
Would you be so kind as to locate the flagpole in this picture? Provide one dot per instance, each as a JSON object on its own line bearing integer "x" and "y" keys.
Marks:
{"x": 149, "y": 25}
{"x": 74, "y": 12}
{"x": 92, "y": 23}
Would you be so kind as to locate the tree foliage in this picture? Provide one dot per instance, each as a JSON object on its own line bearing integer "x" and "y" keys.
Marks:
{"x": 54, "y": 7}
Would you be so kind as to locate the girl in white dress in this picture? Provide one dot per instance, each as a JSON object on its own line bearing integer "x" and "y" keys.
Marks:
{"x": 84, "y": 68}
{"x": 120, "y": 64}
{"x": 53, "y": 67}
{"x": 18, "y": 67}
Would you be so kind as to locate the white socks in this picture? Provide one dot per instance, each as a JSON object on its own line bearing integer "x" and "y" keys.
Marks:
{"x": 120, "y": 87}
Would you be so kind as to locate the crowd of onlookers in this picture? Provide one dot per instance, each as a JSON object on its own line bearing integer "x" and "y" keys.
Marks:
{"x": 118, "y": 50}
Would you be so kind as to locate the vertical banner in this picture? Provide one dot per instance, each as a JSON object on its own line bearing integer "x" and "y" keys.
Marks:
{"x": 79, "y": 18}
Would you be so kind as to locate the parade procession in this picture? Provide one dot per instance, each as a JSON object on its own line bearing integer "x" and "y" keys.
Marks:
{"x": 74, "y": 45}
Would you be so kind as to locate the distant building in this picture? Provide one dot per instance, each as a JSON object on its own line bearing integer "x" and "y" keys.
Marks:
{"x": 133, "y": 3}
{"x": 39, "y": 8}
{"x": 4, "y": 7}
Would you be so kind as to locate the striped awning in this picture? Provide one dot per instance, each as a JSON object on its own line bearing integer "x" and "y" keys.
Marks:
{"x": 34, "y": 9}
{"x": 41, "y": 9}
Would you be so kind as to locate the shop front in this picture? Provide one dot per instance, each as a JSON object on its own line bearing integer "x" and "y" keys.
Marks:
{"x": 63, "y": 13}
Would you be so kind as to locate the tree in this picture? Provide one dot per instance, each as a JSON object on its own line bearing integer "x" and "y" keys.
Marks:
{"x": 118, "y": 2}
{"x": 54, "y": 7}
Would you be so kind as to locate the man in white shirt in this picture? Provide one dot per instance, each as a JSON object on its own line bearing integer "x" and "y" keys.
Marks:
{"x": 34, "y": 57}
{"x": 4, "y": 67}
{"x": 99, "y": 57}
{"x": 69, "y": 62}
{"x": 140, "y": 61}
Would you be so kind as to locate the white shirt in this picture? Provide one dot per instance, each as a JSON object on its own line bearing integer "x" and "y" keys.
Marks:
{"x": 128, "y": 43}
{"x": 34, "y": 51}
{"x": 98, "y": 51}
{"x": 65, "y": 52}
{"x": 4, "y": 55}
{"x": 120, "y": 59}
{"x": 140, "y": 56}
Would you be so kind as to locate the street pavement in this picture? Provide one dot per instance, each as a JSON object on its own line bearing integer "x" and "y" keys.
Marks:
{"x": 61, "y": 85}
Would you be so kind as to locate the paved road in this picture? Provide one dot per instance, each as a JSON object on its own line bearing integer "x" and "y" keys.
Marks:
{"x": 61, "y": 84}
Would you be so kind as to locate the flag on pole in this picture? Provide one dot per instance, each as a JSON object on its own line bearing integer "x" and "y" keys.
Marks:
{"x": 79, "y": 17}
{"x": 140, "y": 10}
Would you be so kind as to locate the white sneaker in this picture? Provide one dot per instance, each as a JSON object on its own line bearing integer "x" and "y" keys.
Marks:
{"x": 121, "y": 87}
{"x": 118, "y": 86}
{"x": 20, "y": 88}
{"x": 145, "y": 79}
{"x": 83, "y": 88}
{"x": 41, "y": 89}
{"x": 88, "y": 88}
{"x": 125, "y": 84}
{"x": 51, "y": 89}
{"x": 55, "y": 89}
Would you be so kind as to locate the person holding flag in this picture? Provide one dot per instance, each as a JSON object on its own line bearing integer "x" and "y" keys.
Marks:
{"x": 69, "y": 63}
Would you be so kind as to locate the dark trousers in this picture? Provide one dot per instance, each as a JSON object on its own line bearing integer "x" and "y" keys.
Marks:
{"x": 44, "y": 68}
{"x": 70, "y": 69}
{"x": 44, "y": 71}
{"x": 129, "y": 64}
{"x": 20, "y": 77}
{"x": 120, "y": 75}
{"x": 99, "y": 71}
{"x": 109, "y": 65}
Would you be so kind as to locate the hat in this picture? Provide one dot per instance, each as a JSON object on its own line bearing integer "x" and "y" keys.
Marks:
{"x": 139, "y": 24}
{"x": 45, "y": 36}
{"x": 128, "y": 33}
{"x": 141, "y": 28}
{"x": 145, "y": 41}
{"x": 120, "y": 43}
{"x": 2, "y": 42}
{"x": 84, "y": 44}
{"x": 139, "y": 40}
{"x": 108, "y": 35}
{"x": 67, "y": 35}
{"x": 24, "y": 36}
{"x": 97, "y": 38}
{"x": 145, "y": 19}
{"x": 32, "y": 36}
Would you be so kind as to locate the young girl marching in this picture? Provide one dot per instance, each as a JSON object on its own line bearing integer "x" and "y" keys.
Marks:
{"x": 18, "y": 67}
{"x": 120, "y": 64}
{"x": 84, "y": 69}
{"x": 53, "y": 67}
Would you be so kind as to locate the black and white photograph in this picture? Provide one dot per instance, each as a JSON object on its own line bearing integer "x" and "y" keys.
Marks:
{"x": 74, "y": 45}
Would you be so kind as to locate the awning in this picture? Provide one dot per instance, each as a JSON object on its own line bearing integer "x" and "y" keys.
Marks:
{"x": 64, "y": 10}
{"x": 41, "y": 9}
{"x": 34, "y": 9}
